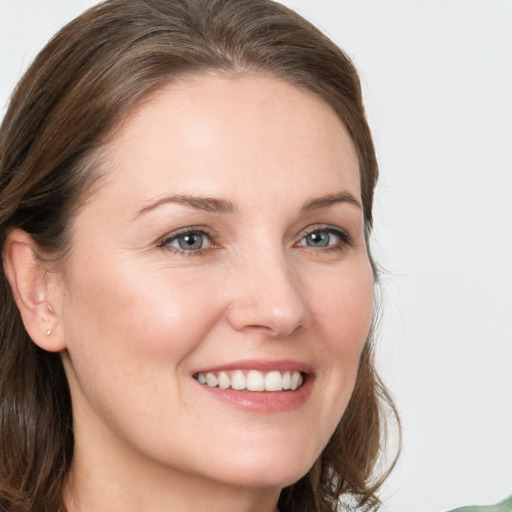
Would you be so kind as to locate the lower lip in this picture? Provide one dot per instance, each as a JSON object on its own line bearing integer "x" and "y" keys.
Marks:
{"x": 264, "y": 401}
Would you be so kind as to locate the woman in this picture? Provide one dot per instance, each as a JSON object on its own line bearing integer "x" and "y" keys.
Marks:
{"x": 188, "y": 292}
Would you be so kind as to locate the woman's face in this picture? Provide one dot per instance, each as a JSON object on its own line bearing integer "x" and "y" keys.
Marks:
{"x": 224, "y": 244}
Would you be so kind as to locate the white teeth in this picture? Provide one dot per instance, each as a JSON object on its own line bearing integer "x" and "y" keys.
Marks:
{"x": 224, "y": 381}
{"x": 211, "y": 380}
{"x": 273, "y": 381}
{"x": 253, "y": 380}
{"x": 238, "y": 380}
{"x": 295, "y": 381}
{"x": 287, "y": 380}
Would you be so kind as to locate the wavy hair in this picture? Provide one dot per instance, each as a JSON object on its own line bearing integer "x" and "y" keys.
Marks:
{"x": 62, "y": 112}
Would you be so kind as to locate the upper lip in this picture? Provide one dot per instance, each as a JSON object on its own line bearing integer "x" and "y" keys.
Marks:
{"x": 262, "y": 365}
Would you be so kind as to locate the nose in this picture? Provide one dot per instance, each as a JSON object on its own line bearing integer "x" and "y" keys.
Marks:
{"x": 267, "y": 295}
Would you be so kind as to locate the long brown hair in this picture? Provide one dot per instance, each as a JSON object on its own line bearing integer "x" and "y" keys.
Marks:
{"x": 63, "y": 110}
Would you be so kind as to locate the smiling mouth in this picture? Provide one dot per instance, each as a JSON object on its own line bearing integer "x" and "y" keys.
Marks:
{"x": 252, "y": 380}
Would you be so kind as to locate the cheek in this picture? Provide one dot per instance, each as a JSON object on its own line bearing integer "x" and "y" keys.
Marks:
{"x": 120, "y": 304}
{"x": 342, "y": 303}
{"x": 345, "y": 311}
{"x": 128, "y": 341}
{"x": 344, "y": 317}
{"x": 120, "y": 324}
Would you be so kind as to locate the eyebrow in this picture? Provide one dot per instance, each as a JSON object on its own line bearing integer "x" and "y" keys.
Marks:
{"x": 216, "y": 205}
{"x": 328, "y": 200}
{"x": 206, "y": 204}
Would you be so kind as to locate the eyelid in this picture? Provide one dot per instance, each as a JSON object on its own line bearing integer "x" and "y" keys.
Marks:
{"x": 174, "y": 235}
{"x": 343, "y": 234}
{"x": 164, "y": 242}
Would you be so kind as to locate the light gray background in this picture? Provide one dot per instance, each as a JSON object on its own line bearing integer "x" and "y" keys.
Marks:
{"x": 437, "y": 78}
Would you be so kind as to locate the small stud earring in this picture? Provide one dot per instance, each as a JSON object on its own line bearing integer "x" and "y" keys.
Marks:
{"x": 48, "y": 332}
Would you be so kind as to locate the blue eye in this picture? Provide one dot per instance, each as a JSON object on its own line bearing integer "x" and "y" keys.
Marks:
{"x": 322, "y": 238}
{"x": 318, "y": 239}
{"x": 189, "y": 241}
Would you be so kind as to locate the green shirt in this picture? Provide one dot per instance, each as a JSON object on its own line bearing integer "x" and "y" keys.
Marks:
{"x": 504, "y": 506}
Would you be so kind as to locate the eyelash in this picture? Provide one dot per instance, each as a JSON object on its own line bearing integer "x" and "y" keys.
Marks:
{"x": 344, "y": 237}
{"x": 345, "y": 240}
{"x": 165, "y": 242}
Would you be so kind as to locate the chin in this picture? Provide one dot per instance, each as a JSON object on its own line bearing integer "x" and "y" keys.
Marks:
{"x": 268, "y": 477}
{"x": 271, "y": 468}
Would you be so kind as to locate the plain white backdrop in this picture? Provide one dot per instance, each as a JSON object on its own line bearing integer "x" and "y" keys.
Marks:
{"x": 437, "y": 79}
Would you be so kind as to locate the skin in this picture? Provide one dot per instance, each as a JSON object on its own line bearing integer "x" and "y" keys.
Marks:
{"x": 137, "y": 317}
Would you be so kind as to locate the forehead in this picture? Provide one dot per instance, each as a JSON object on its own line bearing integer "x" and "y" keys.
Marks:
{"x": 208, "y": 132}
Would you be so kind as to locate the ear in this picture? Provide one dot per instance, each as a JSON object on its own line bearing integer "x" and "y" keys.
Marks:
{"x": 35, "y": 288}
